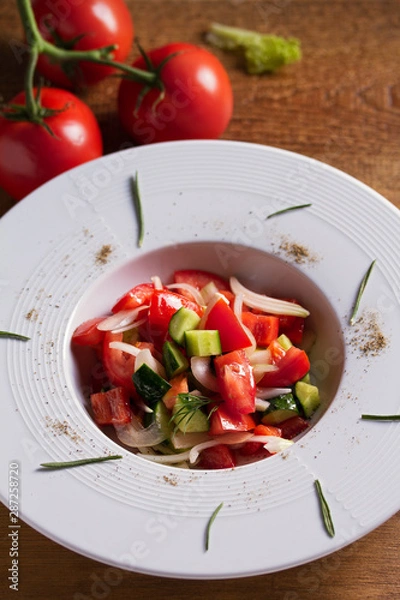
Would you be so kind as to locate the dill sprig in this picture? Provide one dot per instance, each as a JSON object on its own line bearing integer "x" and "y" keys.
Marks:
{"x": 189, "y": 404}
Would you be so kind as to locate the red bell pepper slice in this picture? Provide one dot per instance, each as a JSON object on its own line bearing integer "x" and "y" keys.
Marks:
{"x": 231, "y": 332}
{"x": 290, "y": 368}
{"x": 265, "y": 328}
{"x": 236, "y": 382}
{"x": 111, "y": 407}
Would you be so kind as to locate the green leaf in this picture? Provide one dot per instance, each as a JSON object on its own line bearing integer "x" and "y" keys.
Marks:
{"x": 138, "y": 208}
{"x": 360, "y": 293}
{"x": 381, "y": 417}
{"x": 289, "y": 208}
{"x": 16, "y": 336}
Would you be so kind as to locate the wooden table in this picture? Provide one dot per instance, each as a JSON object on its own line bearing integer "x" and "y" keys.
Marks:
{"x": 341, "y": 105}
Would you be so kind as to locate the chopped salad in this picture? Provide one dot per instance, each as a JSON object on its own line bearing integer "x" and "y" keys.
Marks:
{"x": 201, "y": 372}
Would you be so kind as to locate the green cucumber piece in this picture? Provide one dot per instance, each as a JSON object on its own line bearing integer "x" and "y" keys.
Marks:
{"x": 187, "y": 419}
{"x": 284, "y": 341}
{"x": 281, "y": 408}
{"x": 308, "y": 396}
{"x": 174, "y": 360}
{"x": 203, "y": 342}
{"x": 183, "y": 320}
{"x": 149, "y": 384}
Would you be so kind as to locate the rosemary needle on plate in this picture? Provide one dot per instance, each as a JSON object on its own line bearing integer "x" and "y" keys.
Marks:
{"x": 325, "y": 511}
{"x": 210, "y": 522}
{"x": 360, "y": 292}
{"x": 78, "y": 463}
{"x": 138, "y": 207}
{"x": 289, "y": 208}
{"x": 381, "y": 417}
{"x": 15, "y": 336}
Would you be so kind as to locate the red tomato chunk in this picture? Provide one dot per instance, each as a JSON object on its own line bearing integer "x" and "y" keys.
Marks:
{"x": 111, "y": 407}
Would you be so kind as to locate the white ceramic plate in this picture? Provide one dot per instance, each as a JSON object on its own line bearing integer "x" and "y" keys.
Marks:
{"x": 205, "y": 205}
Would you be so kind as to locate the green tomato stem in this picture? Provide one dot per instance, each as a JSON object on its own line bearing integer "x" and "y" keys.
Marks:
{"x": 38, "y": 45}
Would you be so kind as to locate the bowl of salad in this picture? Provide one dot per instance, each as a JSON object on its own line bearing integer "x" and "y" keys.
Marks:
{"x": 202, "y": 346}
{"x": 206, "y": 369}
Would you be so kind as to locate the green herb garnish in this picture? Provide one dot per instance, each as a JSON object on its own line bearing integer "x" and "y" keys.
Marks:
{"x": 190, "y": 404}
{"x": 80, "y": 462}
{"x": 289, "y": 208}
{"x": 325, "y": 511}
{"x": 210, "y": 522}
{"x": 138, "y": 208}
{"x": 15, "y": 336}
{"x": 381, "y": 417}
{"x": 360, "y": 292}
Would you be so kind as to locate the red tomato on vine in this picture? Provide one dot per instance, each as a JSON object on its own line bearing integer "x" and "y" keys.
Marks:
{"x": 30, "y": 155}
{"x": 194, "y": 99}
{"x": 82, "y": 25}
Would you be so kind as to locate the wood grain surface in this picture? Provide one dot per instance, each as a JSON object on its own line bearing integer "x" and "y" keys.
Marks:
{"x": 341, "y": 105}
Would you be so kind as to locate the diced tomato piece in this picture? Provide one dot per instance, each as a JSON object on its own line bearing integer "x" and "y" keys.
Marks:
{"x": 221, "y": 421}
{"x": 87, "y": 333}
{"x": 265, "y": 328}
{"x": 119, "y": 365}
{"x": 111, "y": 407}
{"x": 293, "y": 427}
{"x": 163, "y": 305}
{"x": 236, "y": 382}
{"x": 251, "y": 448}
{"x": 291, "y": 367}
{"x": 217, "y": 457}
{"x": 277, "y": 351}
{"x": 292, "y": 326}
{"x": 231, "y": 332}
{"x": 138, "y": 295}
{"x": 179, "y": 385}
{"x": 199, "y": 279}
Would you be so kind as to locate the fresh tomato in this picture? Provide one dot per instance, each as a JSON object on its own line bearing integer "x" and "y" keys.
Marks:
{"x": 179, "y": 385}
{"x": 293, "y": 427}
{"x": 87, "y": 333}
{"x": 119, "y": 365}
{"x": 197, "y": 102}
{"x": 163, "y": 305}
{"x": 200, "y": 279}
{"x": 217, "y": 457}
{"x": 290, "y": 368}
{"x": 291, "y": 326}
{"x": 265, "y": 328}
{"x": 231, "y": 332}
{"x": 236, "y": 382}
{"x": 30, "y": 155}
{"x": 82, "y": 25}
{"x": 252, "y": 448}
{"x": 137, "y": 296}
{"x": 111, "y": 407}
{"x": 221, "y": 421}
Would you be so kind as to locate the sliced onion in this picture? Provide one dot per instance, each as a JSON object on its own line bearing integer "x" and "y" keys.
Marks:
{"x": 136, "y": 436}
{"x": 208, "y": 291}
{"x": 272, "y": 443}
{"x": 260, "y": 357}
{"x": 197, "y": 296}
{"x": 260, "y": 370}
{"x": 166, "y": 459}
{"x": 261, "y": 404}
{"x": 266, "y": 303}
{"x": 120, "y": 319}
{"x": 145, "y": 356}
{"x": 201, "y": 370}
{"x": 268, "y": 393}
{"x": 157, "y": 283}
{"x": 182, "y": 441}
{"x": 238, "y": 309}
{"x": 131, "y": 326}
{"x": 124, "y": 347}
{"x": 227, "y": 438}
